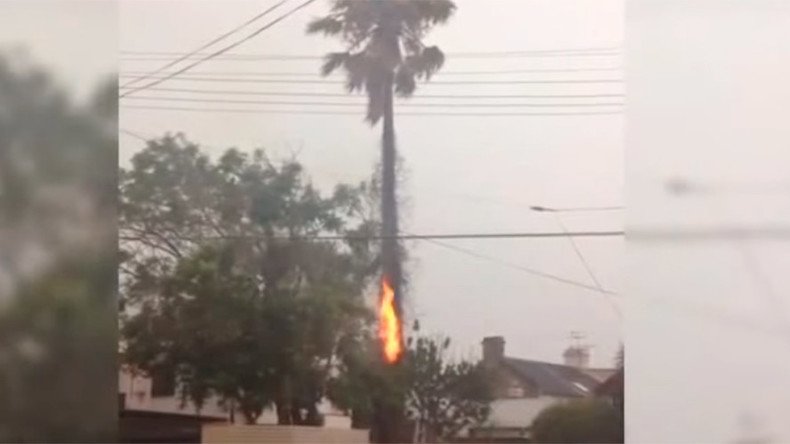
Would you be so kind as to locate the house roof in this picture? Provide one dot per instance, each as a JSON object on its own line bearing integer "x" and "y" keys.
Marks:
{"x": 554, "y": 379}
{"x": 600, "y": 374}
{"x": 613, "y": 385}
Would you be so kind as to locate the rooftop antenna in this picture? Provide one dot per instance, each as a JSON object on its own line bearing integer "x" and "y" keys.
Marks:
{"x": 576, "y": 338}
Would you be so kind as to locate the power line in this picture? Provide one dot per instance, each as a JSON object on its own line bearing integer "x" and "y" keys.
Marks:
{"x": 526, "y": 51}
{"x": 439, "y": 74}
{"x": 584, "y": 52}
{"x": 763, "y": 287}
{"x": 760, "y": 280}
{"x": 517, "y": 54}
{"x": 777, "y": 232}
{"x": 353, "y": 113}
{"x": 362, "y": 104}
{"x": 286, "y": 58}
{"x": 643, "y": 234}
{"x": 511, "y": 203}
{"x": 221, "y": 51}
{"x": 521, "y": 235}
{"x": 341, "y": 82}
{"x": 531, "y": 271}
{"x": 575, "y": 209}
{"x": 579, "y": 254}
{"x": 420, "y": 96}
{"x": 134, "y": 134}
{"x": 207, "y": 45}
{"x": 586, "y": 265}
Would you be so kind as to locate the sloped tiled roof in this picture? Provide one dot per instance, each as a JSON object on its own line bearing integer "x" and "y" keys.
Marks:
{"x": 600, "y": 374}
{"x": 613, "y": 385}
{"x": 554, "y": 379}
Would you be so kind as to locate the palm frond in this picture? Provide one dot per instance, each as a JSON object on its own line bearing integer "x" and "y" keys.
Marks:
{"x": 329, "y": 25}
{"x": 332, "y": 61}
{"x": 412, "y": 41}
{"x": 383, "y": 38}
{"x": 425, "y": 63}
{"x": 434, "y": 11}
{"x": 357, "y": 67}
{"x": 405, "y": 83}
{"x": 360, "y": 17}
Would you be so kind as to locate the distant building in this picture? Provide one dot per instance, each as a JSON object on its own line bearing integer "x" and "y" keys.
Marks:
{"x": 157, "y": 393}
{"x": 151, "y": 411}
{"x": 612, "y": 389}
{"x": 523, "y": 388}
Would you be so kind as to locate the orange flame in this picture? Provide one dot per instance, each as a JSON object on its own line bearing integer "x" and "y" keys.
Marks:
{"x": 389, "y": 324}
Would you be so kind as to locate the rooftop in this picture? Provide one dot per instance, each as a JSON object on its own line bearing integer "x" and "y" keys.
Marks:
{"x": 557, "y": 379}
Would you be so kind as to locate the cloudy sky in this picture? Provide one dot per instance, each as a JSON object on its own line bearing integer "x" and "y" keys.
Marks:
{"x": 709, "y": 318}
{"x": 63, "y": 37}
{"x": 706, "y": 322}
{"x": 465, "y": 174}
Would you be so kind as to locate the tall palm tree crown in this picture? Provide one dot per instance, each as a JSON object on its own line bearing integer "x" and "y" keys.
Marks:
{"x": 385, "y": 43}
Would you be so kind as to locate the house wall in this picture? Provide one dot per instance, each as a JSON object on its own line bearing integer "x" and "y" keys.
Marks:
{"x": 519, "y": 412}
{"x": 216, "y": 434}
{"x": 138, "y": 397}
{"x": 516, "y": 403}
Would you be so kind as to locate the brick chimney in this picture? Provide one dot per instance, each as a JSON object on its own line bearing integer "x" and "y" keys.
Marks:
{"x": 577, "y": 356}
{"x": 493, "y": 350}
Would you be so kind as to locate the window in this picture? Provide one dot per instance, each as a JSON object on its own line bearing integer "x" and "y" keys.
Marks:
{"x": 581, "y": 387}
{"x": 515, "y": 391}
{"x": 163, "y": 383}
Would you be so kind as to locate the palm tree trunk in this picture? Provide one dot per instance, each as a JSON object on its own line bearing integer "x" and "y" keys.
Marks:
{"x": 387, "y": 425}
{"x": 390, "y": 253}
{"x": 283, "y": 403}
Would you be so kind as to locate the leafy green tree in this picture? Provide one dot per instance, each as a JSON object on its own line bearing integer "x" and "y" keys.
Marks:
{"x": 445, "y": 397}
{"x": 363, "y": 379}
{"x": 222, "y": 285}
{"x": 442, "y": 397}
{"x": 57, "y": 260}
{"x": 582, "y": 421}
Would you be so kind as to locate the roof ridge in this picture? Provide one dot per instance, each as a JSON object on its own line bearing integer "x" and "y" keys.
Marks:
{"x": 554, "y": 373}
{"x": 555, "y": 378}
{"x": 610, "y": 369}
{"x": 535, "y": 361}
{"x": 567, "y": 381}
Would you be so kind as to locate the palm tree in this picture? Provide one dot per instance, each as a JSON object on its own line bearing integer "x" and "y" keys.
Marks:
{"x": 385, "y": 56}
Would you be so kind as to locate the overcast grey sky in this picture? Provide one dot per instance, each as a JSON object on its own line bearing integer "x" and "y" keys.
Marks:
{"x": 707, "y": 101}
{"x": 465, "y": 174}
{"x": 707, "y": 321}
{"x": 61, "y": 36}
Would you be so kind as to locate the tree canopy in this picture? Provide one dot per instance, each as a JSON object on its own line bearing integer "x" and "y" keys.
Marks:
{"x": 442, "y": 397}
{"x": 582, "y": 421}
{"x": 58, "y": 164}
{"x": 223, "y": 287}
